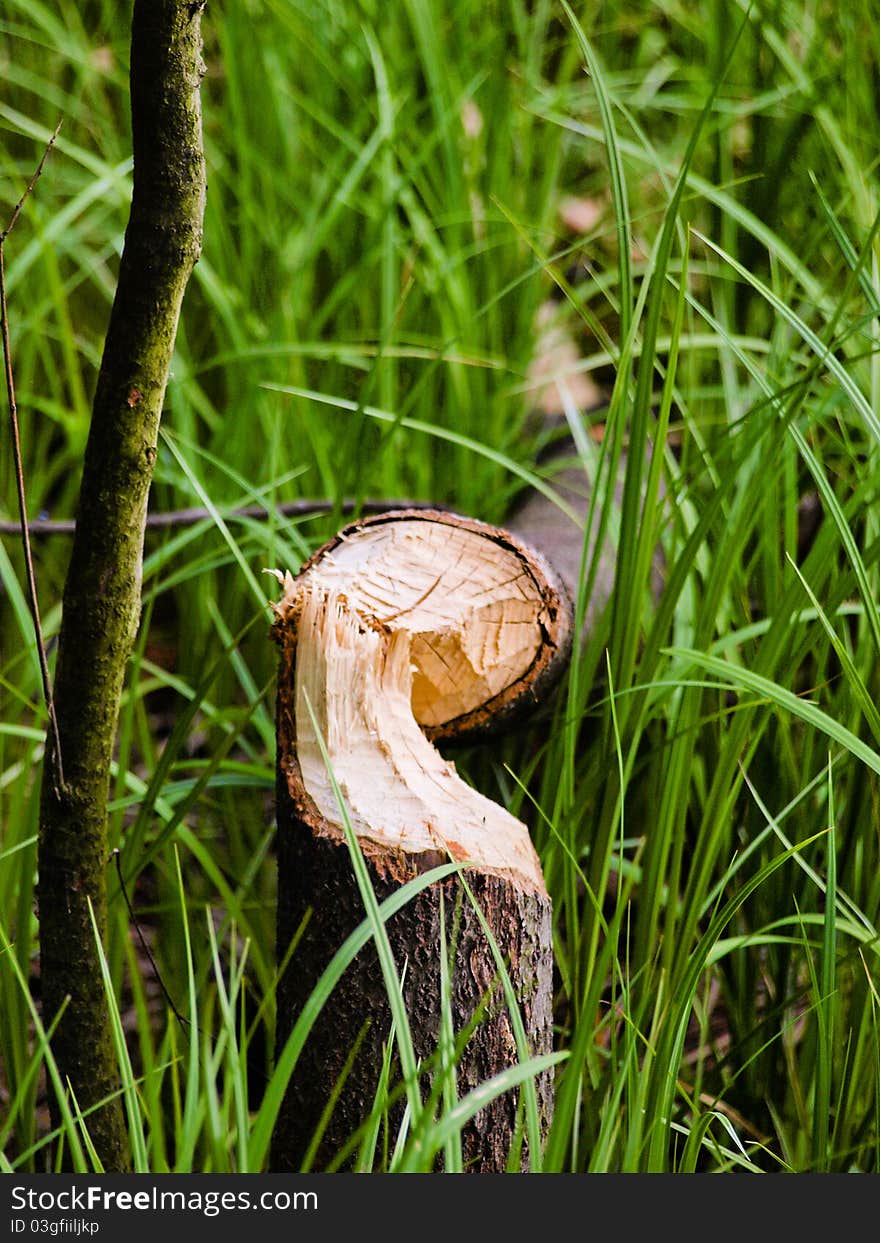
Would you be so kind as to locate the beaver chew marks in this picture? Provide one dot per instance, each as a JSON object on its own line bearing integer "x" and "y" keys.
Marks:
{"x": 404, "y": 624}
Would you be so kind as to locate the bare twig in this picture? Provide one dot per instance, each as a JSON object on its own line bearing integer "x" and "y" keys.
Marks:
{"x": 176, "y": 518}
{"x": 30, "y": 185}
{"x": 22, "y": 526}
{"x": 184, "y": 1022}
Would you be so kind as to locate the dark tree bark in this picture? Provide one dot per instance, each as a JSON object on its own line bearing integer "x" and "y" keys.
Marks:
{"x": 406, "y": 622}
{"x": 102, "y": 594}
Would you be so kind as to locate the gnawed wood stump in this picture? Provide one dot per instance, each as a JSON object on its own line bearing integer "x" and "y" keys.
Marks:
{"x": 405, "y": 629}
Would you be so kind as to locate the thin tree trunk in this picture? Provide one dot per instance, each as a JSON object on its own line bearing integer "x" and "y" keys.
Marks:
{"x": 102, "y": 594}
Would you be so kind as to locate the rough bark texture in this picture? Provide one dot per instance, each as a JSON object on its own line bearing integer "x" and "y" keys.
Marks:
{"x": 316, "y": 872}
{"x": 315, "y": 876}
{"x": 102, "y": 595}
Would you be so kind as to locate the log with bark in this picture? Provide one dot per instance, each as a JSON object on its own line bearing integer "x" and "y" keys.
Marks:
{"x": 405, "y": 630}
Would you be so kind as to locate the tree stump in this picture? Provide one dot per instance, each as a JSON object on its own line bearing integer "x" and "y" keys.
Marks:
{"x": 406, "y": 629}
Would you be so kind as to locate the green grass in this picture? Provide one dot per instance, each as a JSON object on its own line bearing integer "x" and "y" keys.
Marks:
{"x": 382, "y": 227}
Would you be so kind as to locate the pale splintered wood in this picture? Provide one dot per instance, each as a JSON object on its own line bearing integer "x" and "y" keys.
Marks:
{"x": 474, "y": 612}
{"x": 402, "y": 625}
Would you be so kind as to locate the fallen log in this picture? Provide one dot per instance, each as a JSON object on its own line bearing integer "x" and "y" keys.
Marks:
{"x": 406, "y": 629}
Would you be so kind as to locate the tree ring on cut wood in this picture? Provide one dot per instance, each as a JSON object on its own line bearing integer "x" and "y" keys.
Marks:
{"x": 489, "y": 578}
{"x": 407, "y": 628}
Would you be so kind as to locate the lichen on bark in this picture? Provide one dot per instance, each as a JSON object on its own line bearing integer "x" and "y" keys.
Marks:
{"x": 102, "y": 593}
